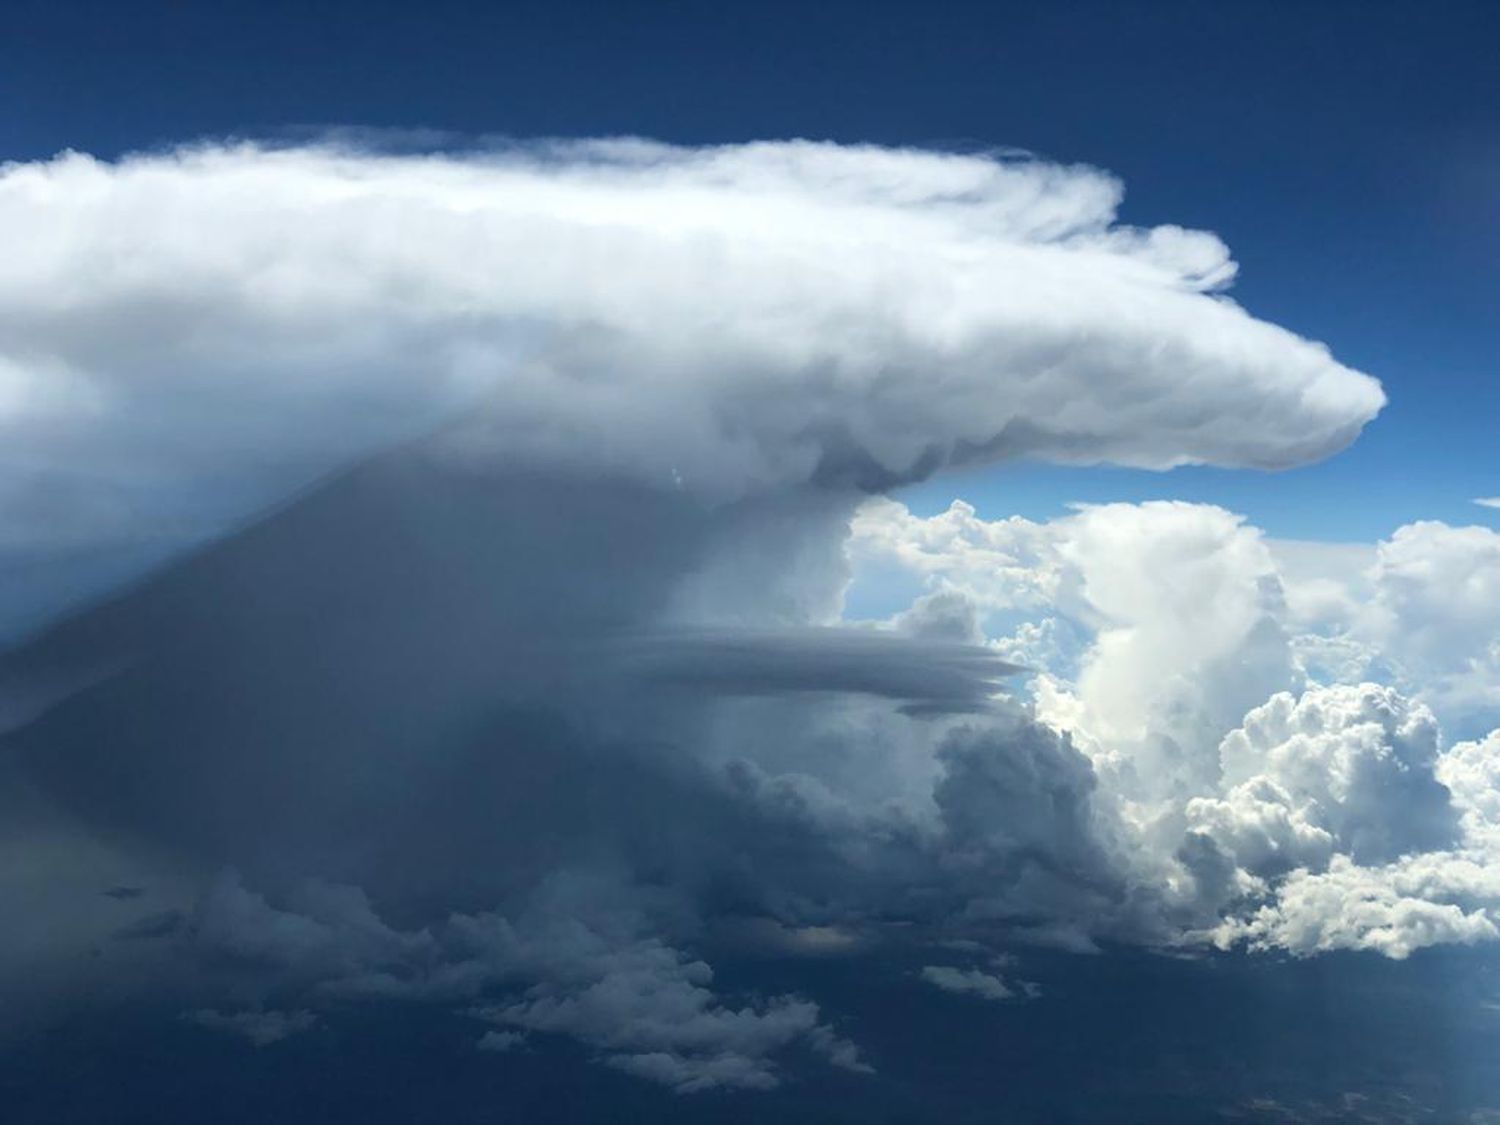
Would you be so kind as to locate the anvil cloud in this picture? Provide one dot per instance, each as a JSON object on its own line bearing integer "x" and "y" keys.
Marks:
{"x": 185, "y": 334}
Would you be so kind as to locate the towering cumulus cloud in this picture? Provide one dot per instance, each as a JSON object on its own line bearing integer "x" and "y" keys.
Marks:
{"x": 543, "y": 690}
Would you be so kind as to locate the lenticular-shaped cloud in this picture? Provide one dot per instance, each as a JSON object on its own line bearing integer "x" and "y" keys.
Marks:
{"x": 185, "y": 334}
{"x": 926, "y": 674}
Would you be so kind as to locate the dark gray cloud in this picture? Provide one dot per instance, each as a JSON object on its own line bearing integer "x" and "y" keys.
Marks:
{"x": 923, "y": 674}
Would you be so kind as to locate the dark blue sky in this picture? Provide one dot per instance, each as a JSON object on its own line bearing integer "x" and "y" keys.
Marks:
{"x": 1349, "y": 153}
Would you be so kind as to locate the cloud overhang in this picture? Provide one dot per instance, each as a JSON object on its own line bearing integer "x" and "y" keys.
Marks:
{"x": 184, "y": 333}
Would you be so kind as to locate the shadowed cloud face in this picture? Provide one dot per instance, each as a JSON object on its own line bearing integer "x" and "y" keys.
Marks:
{"x": 922, "y": 674}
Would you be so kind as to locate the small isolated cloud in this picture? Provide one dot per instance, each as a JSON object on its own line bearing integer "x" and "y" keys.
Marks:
{"x": 973, "y": 982}
{"x": 1487, "y": 501}
{"x": 770, "y": 937}
{"x": 260, "y": 1027}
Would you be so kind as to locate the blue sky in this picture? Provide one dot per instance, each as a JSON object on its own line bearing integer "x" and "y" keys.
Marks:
{"x": 1346, "y": 152}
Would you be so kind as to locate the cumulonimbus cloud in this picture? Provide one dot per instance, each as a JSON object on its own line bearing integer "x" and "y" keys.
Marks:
{"x": 654, "y": 384}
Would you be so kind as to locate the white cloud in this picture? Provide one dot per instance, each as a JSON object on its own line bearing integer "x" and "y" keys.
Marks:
{"x": 1176, "y": 618}
{"x": 1239, "y": 796}
{"x": 1487, "y": 501}
{"x": 675, "y": 370}
{"x": 1163, "y": 618}
{"x": 1471, "y": 771}
{"x": 1184, "y": 602}
{"x": 187, "y": 335}
{"x": 974, "y": 982}
{"x": 1366, "y": 836}
{"x": 1435, "y": 614}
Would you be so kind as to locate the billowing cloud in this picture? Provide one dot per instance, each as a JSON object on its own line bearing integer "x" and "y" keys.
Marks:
{"x": 188, "y": 335}
{"x": 1393, "y": 910}
{"x": 553, "y": 689}
{"x": 1329, "y": 814}
{"x": 1471, "y": 772}
{"x": 925, "y": 674}
{"x": 1353, "y": 762}
{"x": 1435, "y": 613}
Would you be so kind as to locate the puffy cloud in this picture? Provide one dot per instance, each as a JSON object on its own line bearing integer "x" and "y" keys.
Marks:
{"x": 1160, "y": 624}
{"x": 578, "y": 959}
{"x": 948, "y": 615}
{"x": 1262, "y": 827}
{"x": 593, "y": 622}
{"x": 1018, "y": 796}
{"x": 1328, "y": 815}
{"x": 1184, "y": 602}
{"x": 1471, "y": 771}
{"x": 189, "y": 334}
{"x": 1435, "y": 614}
{"x": 1392, "y": 910}
{"x": 1373, "y": 839}
{"x": 999, "y": 564}
{"x": 1352, "y": 765}
{"x": 1170, "y": 619}
{"x": 1334, "y": 824}
{"x": 1417, "y": 609}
